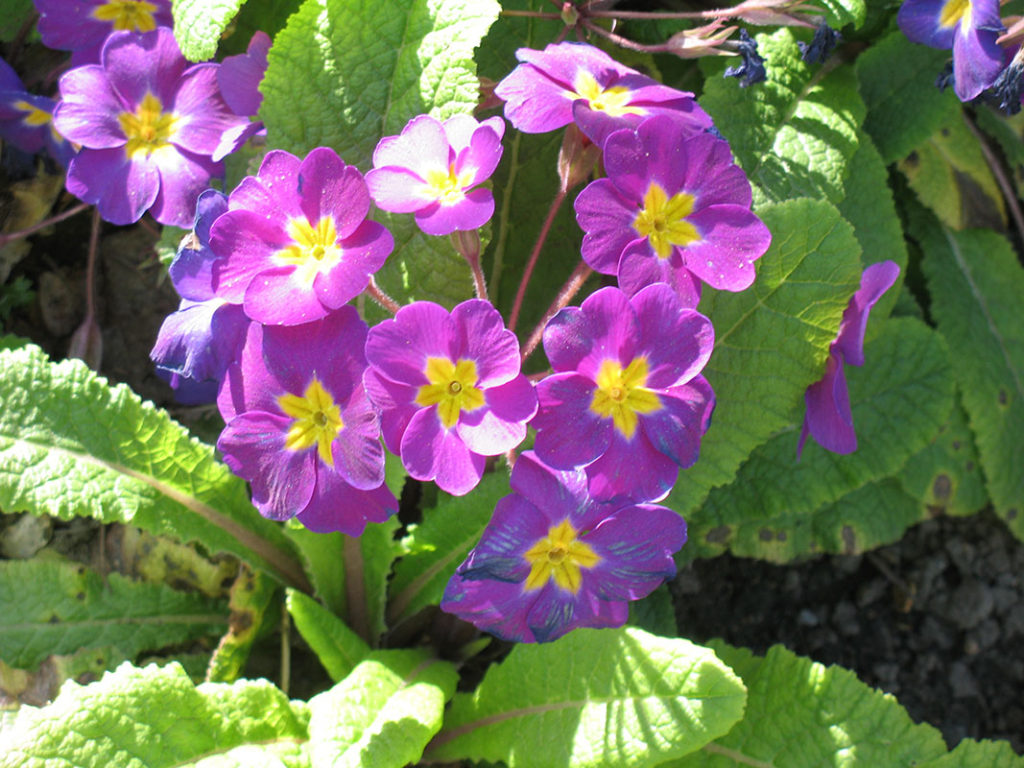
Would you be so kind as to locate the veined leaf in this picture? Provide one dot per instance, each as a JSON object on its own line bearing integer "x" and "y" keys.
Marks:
{"x": 383, "y": 713}
{"x": 160, "y": 718}
{"x": 338, "y": 647}
{"x": 976, "y": 284}
{"x": 72, "y": 445}
{"x": 198, "y": 25}
{"x": 771, "y": 340}
{"x": 946, "y": 476}
{"x": 802, "y": 714}
{"x": 793, "y": 134}
{"x": 346, "y": 73}
{"x": 904, "y": 109}
{"x": 435, "y": 547}
{"x": 769, "y": 509}
{"x": 978, "y": 754}
{"x": 59, "y": 608}
{"x": 617, "y": 697}
{"x": 839, "y": 13}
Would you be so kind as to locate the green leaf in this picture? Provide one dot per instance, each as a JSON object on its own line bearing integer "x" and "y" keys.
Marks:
{"x": 377, "y": 552}
{"x": 897, "y": 82}
{"x": 338, "y": 647}
{"x": 870, "y": 208}
{"x": 13, "y": 14}
{"x": 44, "y": 684}
{"x": 655, "y": 613}
{"x": 976, "y": 284}
{"x": 839, "y": 13}
{"x": 1007, "y": 131}
{"x": 978, "y": 754}
{"x": 345, "y": 73}
{"x": 946, "y": 476}
{"x": 795, "y": 133}
{"x": 59, "y": 608}
{"x": 384, "y": 713}
{"x": 767, "y": 510}
{"x": 771, "y": 340}
{"x": 159, "y": 718}
{"x": 321, "y": 559}
{"x": 72, "y": 445}
{"x": 617, "y": 697}
{"x": 199, "y": 24}
{"x": 435, "y": 547}
{"x": 251, "y": 596}
{"x": 950, "y": 175}
{"x": 802, "y": 714}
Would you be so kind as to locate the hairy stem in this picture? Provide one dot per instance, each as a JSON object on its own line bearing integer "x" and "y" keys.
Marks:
{"x": 355, "y": 587}
{"x": 380, "y": 297}
{"x": 565, "y": 295}
{"x": 534, "y": 255}
{"x": 10, "y": 236}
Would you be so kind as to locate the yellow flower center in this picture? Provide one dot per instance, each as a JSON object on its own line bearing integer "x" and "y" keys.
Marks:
{"x": 447, "y": 187}
{"x": 34, "y": 116}
{"x": 621, "y": 394}
{"x": 314, "y": 250}
{"x": 953, "y": 11}
{"x": 452, "y": 388}
{"x": 317, "y": 420}
{"x": 612, "y": 101}
{"x": 134, "y": 15}
{"x": 559, "y": 556}
{"x": 663, "y": 222}
{"x": 149, "y": 128}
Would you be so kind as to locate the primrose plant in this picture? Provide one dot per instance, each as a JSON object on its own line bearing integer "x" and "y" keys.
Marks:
{"x": 443, "y": 500}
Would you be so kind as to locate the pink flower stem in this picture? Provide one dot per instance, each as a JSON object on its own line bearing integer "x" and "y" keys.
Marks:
{"x": 90, "y": 270}
{"x": 565, "y": 295}
{"x": 533, "y": 14}
{"x": 355, "y": 587}
{"x": 9, "y": 236}
{"x": 534, "y": 255}
{"x": 382, "y": 298}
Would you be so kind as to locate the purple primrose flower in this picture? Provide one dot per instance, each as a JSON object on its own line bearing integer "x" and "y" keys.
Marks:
{"x": 553, "y": 559}
{"x": 239, "y": 77}
{"x": 300, "y": 428}
{"x": 295, "y": 243}
{"x": 829, "y": 419}
{"x": 576, "y": 81}
{"x": 673, "y": 203}
{"x": 26, "y": 120}
{"x": 449, "y": 390}
{"x": 969, "y": 27}
{"x": 150, "y": 126}
{"x": 627, "y": 400}
{"x": 431, "y": 170}
{"x": 198, "y": 341}
{"x": 82, "y": 26}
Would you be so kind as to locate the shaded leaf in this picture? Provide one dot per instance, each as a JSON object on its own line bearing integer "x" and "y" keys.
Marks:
{"x": 250, "y": 598}
{"x": 338, "y": 647}
{"x": 198, "y": 25}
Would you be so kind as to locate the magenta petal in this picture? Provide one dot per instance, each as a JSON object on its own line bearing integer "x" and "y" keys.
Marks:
{"x": 501, "y": 425}
{"x": 87, "y": 111}
{"x": 273, "y": 190}
{"x": 279, "y": 296}
{"x": 244, "y": 241}
{"x": 643, "y": 538}
{"x": 676, "y": 430}
{"x": 122, "y": 189}
{"x": 182, "y": 180}
{"x": 396, "y": 406}
{"x": 829, "y": 419}
{"x": 431, "y": 452}
{"x": 364, "y": 252}
{"x": 732, "y": 239}
{"x": 606, "y": 218}
{"x": 632, "y": 469}
{"x": 328, "y": 187}
{"x": 483, "y": 338}
{"x": 874, "y": 282}
{"x": 484, "y": 150}
{"x": 357, "y": 452}
{"x": 399, "y": 347}
{"x": 337, "y": 506}
{"x": 203, "y": 115}
{"x": 677, "y": 341}
{"x": 472, "y": 212}
{"x": 569, "y": 434}
{"x": 604, "y": 328}
{"x": 282, "y": 481}
{"x": 396, "y": 189}
{"x": 138, "y": 64}
{"x": 421, "y": 147}
{"x": 533, "y": 102}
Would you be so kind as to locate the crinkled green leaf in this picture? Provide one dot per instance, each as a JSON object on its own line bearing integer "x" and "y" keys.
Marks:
{"x": 870, "y": 208}
{"x": 338, "y": 647}
{"x": 897, "y": 80}
{"x": 976, "y": 285}
{"x": 771, "y": 340}
{"x": 950, "y": 175}
{"x": 52, "y": 607}
{"x": 794, "y": 134}
{"x": 382, "y": 714}
{"x": 801, "y": 714}
{"x": 251, "y": 596}
{"x": 946, "y": 476}
{"x": 345, "y": 73}
{"x": 44, "y": 683}
{"x": 978, "y": 754}
{"x": 72, "y": 445}
{"x": 198, "y": 25}
{"x": 619, "y": 697}
{"x": 769, "y": 509}
{"x": 435, "y": 547}
{"x": 839, "y": 13}
{"x": 156, "y": 717}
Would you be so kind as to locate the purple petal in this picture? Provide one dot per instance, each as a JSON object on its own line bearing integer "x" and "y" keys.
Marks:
{"x": 554, "y": 492}
{"x": 676, "y": 430}
{"x": 399, "y": 348}
{"x": 606, "y": 217}
{"x": 283, "y": 481}
{"x": 677, "y": 342}
{"x": 556, "y": 612}
{"x": 183, "y": 177}
{"x": 122, "y": 189}
{"x": 640, "y": 267}
{"x": 137, "y": 64}
{"x": 732, "y": 239}
{"x": 919, "y": 21}
{"x": 569, "y": 433}
{"x": 396, "y": 406}
{"x": 88, "y": 109}
{"x": 203, "y": 116}
{"x": 636, "y": 544}
{"x": 200, "y": 340}
{"x": 337, "y": 506}
{"x": 829, "y": 419}
{"x": 192, "y": 269}
{"x": 501, "y": 425}
{"x": 977, "y": 58}
{"x": 431, "y": 452}
{"x": 874, "y": 282}
{"x": 328, "y": 187}
{"x": 239, "y": 77}
{"x": 604, "y": 328}
{"x": 496, "y": 607}
{"x": 633, "y": 469}
{"x": 363, "y": 253}
{"x": 483, "y": 338}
